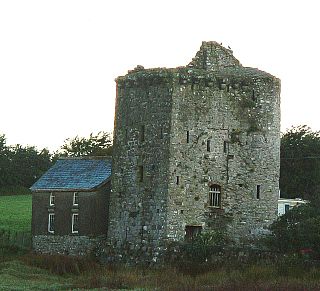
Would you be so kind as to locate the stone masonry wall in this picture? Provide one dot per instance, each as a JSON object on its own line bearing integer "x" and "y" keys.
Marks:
{"x": 240, "y": 117}
{"x": 140, "y": 172}
{"x": 185, "y": 129}
{"x": 66, "y": 244}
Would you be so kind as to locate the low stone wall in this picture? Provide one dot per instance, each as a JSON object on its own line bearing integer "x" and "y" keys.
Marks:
{"x": 66, "y": 245}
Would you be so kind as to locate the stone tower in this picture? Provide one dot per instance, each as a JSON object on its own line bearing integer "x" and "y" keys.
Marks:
{"x": 196, "y": 148}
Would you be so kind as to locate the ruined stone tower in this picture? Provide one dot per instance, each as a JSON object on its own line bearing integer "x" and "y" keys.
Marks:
{"x": 195, "y": 148}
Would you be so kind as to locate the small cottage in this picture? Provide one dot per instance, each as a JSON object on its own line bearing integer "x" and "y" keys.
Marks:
{"x": 285, "y": 204}
{"x": 70, "y": 206}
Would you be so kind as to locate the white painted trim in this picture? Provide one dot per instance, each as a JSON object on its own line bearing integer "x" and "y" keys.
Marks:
{"x": 73, "y": 216}
{"x": 50, "y": 199}
{"x": 49, "y": 222}
{"x": 74, "y": 196}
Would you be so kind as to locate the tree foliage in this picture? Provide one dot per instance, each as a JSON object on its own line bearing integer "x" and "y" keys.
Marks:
{"x": 297, "y": 230}
{"x": 94, "y": 145}
{"x": 300, "y": 163}
{"x": 21, "y": 166}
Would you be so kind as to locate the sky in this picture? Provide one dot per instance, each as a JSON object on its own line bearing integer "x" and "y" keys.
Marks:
{"x": 59, "y": 59}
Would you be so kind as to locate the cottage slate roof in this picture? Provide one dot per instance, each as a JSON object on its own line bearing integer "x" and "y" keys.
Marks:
{"x": 74, "y": 174}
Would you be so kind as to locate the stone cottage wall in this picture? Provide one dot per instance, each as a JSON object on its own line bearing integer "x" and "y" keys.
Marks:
{"x": 66, "y": 244}
{"x": 92, "y": 209}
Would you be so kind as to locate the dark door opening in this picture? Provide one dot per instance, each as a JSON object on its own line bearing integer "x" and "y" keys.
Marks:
{"x": 191, "y": 231}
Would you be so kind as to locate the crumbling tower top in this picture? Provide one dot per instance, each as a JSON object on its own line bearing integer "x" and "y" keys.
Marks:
{"x": 213, "y": 56}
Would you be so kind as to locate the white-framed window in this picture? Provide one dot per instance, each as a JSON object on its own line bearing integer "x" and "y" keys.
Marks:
{"x": 75, "y": 223}
{"x": 76, "y": 198}
{"x": 51, "y": 223}
{"x": 51, "y": 199}
{"x": 215, "y": 196}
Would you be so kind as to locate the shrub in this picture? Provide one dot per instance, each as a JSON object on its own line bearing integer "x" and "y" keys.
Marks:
{"x": 297, "y": 230}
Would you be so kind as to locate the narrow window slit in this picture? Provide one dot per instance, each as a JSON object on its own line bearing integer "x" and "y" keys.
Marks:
{"x": 258, "y": 191}
{"x": 140, "y": 173}
{"x": 208, "y": 145}
{"x": 225, "y": 147}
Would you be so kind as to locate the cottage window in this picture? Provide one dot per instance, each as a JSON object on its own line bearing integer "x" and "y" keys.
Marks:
{"x": 51, "y": 223}
{"x": 75, "y": 198}
{"x": 215, "y": 196}
{"x": 51, "y": 199}
{"x": 177, "y": 180}
{"x": 188, "y": 136}
{"x": 286, "y": 208}
{"x": 75, "y": 223}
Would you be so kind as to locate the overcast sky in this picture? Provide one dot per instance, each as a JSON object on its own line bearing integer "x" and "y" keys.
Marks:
{"x": 59, "y": 59}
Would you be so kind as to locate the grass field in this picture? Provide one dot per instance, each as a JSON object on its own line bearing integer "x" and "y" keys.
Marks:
{"x": 22, "y": 270}
{"x": 15, "y": 213}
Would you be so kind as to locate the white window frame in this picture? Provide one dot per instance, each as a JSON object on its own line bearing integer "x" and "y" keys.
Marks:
{"x": 51, "y": 199}
{"x": 51, "y": 218}
{"x": 76, "y": 198}
{"x": 73, "y": 220}
{"x": 215, "y": 196}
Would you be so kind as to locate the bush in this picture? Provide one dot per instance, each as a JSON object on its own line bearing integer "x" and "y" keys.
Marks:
{"x": 200, "y": 254}
{"x": 296, "y": 231}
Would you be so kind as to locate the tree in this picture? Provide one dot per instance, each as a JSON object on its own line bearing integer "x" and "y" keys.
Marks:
{"x": 21, "y": 166}
{"x": 28, "y": 164}
{"x": 4, "y": 160}
{"x": 297, "y": 230}
{"x": 300, "y": 163}
{"x": 95, "y": 145}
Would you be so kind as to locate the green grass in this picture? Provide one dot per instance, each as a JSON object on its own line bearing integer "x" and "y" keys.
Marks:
{"x": 15, "y": 213}
{"x": 14, "y": 275}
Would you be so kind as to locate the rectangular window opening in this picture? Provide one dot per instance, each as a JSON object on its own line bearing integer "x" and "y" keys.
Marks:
{"x": 258, "y": 191}
{"x": 142, "y": 133}
{"x": 208, "y": 145}
{"x": 253, "y": 96}
{"x": 286, "y": 208}
{"x": 75, "y": 198}
{"x": 191, "y": 231}
{"x": 215, "y": 196}
{"x": 51, "y": 223}
{"x": 177, "y": 180}
{"x": 161, "y": 133}
{"x": 140, "y": 173}
{"x": 225, "y": 146}
{"x": 188, "y": 136}
{"x": 75, "y": 223}
{"x": 51, "y": 199}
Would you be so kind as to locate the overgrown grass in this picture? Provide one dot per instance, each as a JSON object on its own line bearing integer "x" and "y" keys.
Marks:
{"x": 15, "y": 213}
{"x": 81, "y": 273}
